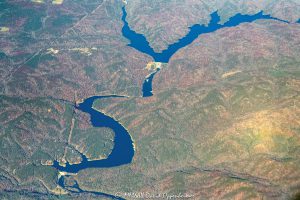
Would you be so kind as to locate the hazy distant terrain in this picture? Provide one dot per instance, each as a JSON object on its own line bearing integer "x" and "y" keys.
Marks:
{"x": 223, "y": 122}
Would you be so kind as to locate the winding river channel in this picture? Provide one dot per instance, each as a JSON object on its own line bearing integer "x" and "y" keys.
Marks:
{"x": 123, "y": 150}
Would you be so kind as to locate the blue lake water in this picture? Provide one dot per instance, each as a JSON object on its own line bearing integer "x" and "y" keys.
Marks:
{"x": 123, "y": 150}
{"x": 122, "y": 153}
{"x": 147, "y": 85}
{"x": 140, "y": 43}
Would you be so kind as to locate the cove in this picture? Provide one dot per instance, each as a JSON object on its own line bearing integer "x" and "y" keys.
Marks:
{"x": 140, "y": 43}
{"x": 123, "y": 150}
{"x": 147, "y": 85}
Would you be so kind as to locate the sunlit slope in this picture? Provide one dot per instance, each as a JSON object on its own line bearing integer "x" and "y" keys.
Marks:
{"x": 242, "y": 132}
{"x": 235, "y": 127}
